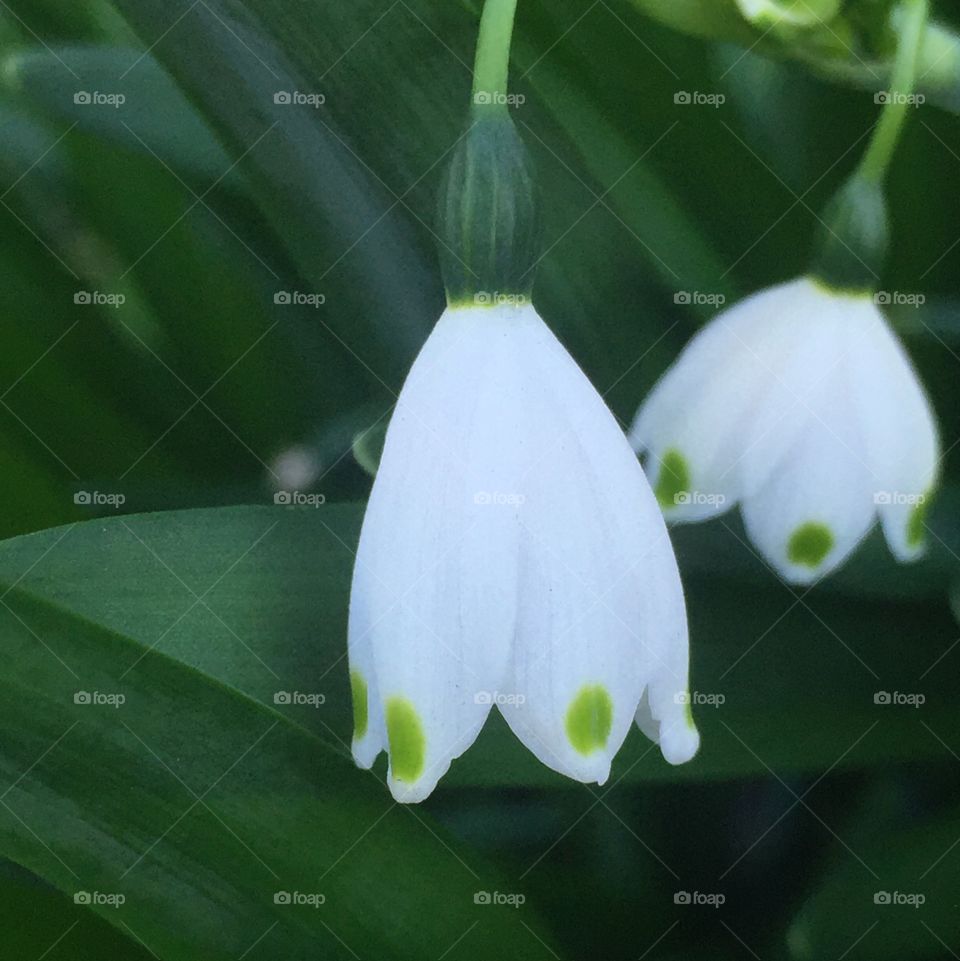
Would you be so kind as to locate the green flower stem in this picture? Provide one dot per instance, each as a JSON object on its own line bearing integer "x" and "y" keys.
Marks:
{"x": 491, "y": 65}
{"x": 876, "y": 160}
{"x": 852, "y": 245}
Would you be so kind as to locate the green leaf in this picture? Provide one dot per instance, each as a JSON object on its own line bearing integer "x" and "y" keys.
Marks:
{"x": 893, "y": 897}
{"x": 237, "y": 62}
{"x": 234, "y": 593}
{"x": 664, "y": 234}
{"x": 154, "y": 117}
{"x": 39, "y": 922}
{"x": 206, "y": 825}
{"x": 206, "y": 361}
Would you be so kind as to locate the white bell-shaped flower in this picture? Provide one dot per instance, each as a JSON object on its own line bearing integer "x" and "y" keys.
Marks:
{"x": 799, "y": 403}
{"x": 512, "y": 554}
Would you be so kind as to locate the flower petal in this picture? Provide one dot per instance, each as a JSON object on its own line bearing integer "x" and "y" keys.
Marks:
{"x": 688, "y": 419}
{"x": 436, "y": 570}
{"x": 900, "y": 432}
{"x": 369, "y": 736}
{"x": 664, "y": 713}
{"x": 715, "y": 423}
{"x": 818, "y": 504}
{"x": 797, "y": 362}
{"x": 593, "y": 541}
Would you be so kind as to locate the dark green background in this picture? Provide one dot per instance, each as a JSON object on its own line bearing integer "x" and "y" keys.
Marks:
{"x": 200, "y": 198}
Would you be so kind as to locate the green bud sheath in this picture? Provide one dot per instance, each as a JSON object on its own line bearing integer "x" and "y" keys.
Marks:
{"x": 855, "y": 228}
{"x": 489, "y": 212}
{"x": 853, "y": 238}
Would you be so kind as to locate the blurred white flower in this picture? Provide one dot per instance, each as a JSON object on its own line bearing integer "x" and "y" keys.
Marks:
{"x": 799, "y": 403}
{"x": 512, "y": 554}
{"x": 294, "y": 468}
{"x": 800, "y": 13}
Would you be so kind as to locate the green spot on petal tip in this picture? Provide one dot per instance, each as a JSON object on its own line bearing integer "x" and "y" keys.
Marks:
{"x": 673, "y": 480}
{"x": 408, "y": 745}
{"x": 589, "y": 719}
{"x": 358, "y": 694}
{"x": 916, "y": 525}
{"x": 809, "y": 544}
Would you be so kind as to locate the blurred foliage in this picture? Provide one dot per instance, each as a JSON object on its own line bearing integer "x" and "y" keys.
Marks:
{"x": 258, "y": 277}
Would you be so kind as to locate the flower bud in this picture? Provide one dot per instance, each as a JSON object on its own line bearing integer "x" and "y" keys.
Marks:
{"x": 488, "y": 210}
{"x": 853, "y": 237}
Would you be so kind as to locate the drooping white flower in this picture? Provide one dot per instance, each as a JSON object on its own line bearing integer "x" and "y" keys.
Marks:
{"x": 799, "y": 403}
{"x": 512, "y": 554}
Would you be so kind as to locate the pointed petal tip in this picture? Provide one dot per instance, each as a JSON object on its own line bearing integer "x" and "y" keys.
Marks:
{"x": 591, "y": 770}
{"x": 578, "y": 754}
{"x": 418, "y": 755}
{"x": 677, "y": 732}
{"x": 588, "y": 725}
{"x": 800, "y": 576}
{"x": 594, "y": 769}
{"x": 365, "y": 751}
{"x": 406, "y": 792}
{"x": 905, "y": 526}
{"x": 910, "y": 555}
{"x": 414, "y": 787}
{"x": 810, "y": 551}
{"x": 807, "y": 572}
{"x": 680, "y": 741}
